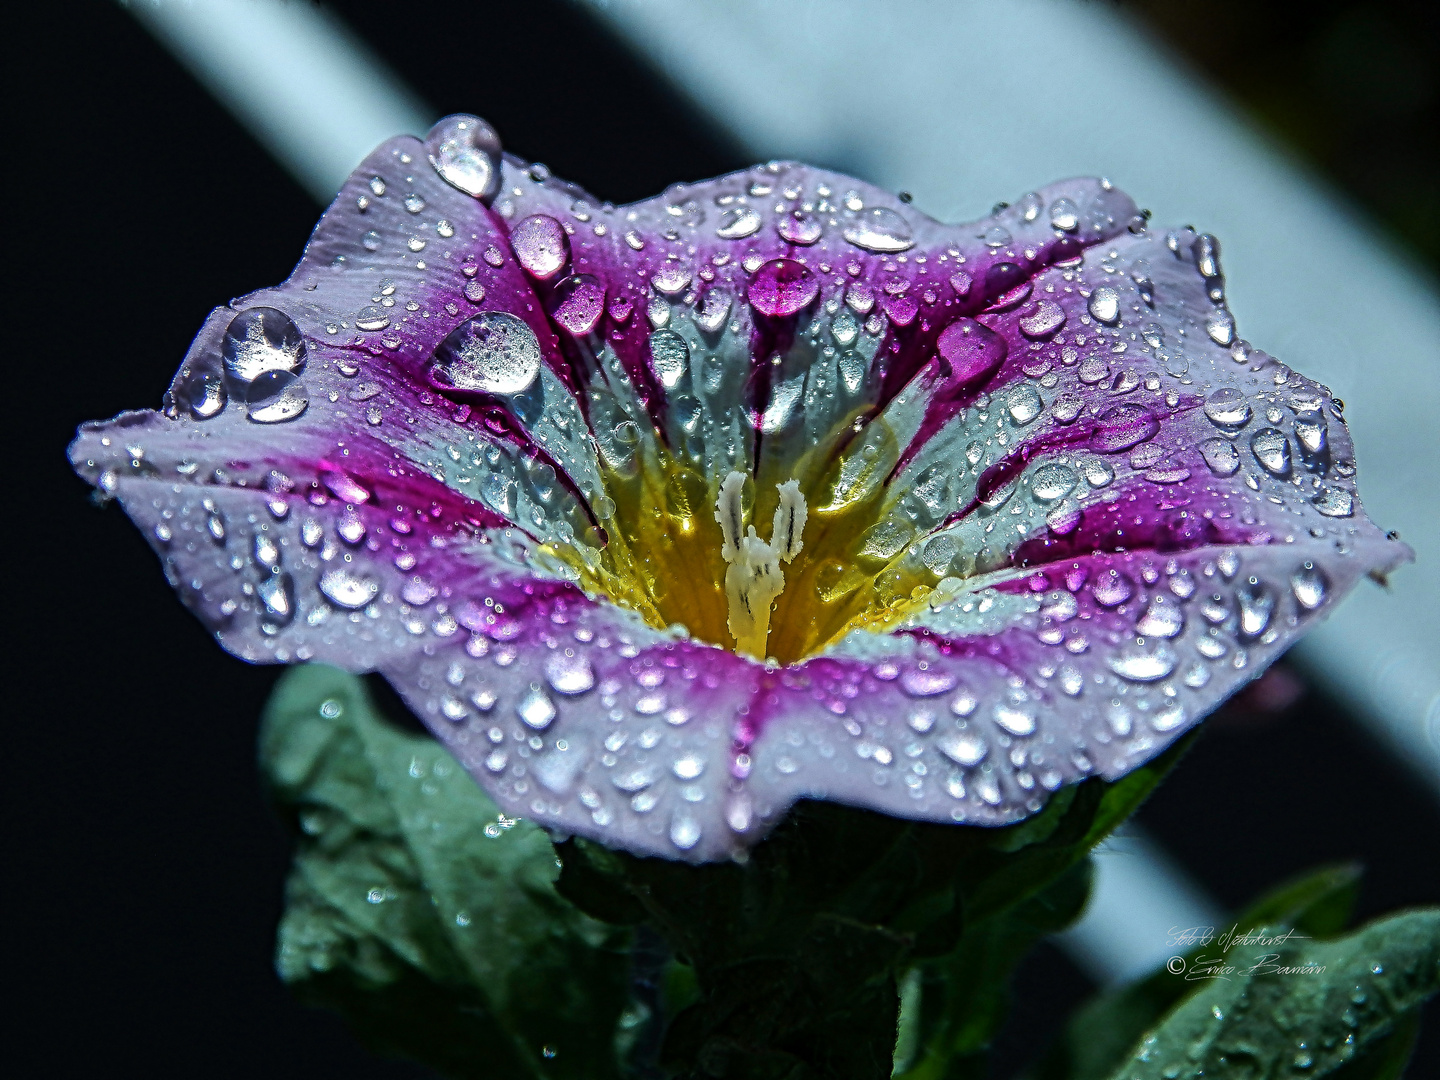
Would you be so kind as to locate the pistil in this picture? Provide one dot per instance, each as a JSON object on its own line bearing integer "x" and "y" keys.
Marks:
{"x": 753, "y": 578}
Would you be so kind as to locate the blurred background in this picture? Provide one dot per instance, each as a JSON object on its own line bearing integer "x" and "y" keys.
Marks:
{"x": 145, "y": 872}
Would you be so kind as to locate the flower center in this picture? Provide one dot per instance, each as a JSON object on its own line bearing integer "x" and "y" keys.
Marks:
{"x": 674, "y": 546}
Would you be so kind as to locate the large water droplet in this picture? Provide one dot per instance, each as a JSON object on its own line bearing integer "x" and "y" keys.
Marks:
{"x": 346, "y": 588}
{"x": 1016, "y": 719}
{"x": 1112, "y": 588}
{"x": 971, "y": 351}
{"x": 277, "y": 593}
{"x": 1271, "y": 450}
{"x": 1163, "y": 618}
{"x": 684, "y": 830}
{"x": 1143, "y": 663}
{"x": 669, "y": 357}
{"x": 938, "y": 553}
{"x": 1064, "y": 215}
{"x": 1309, "y": 585}
{"x": 881, "y": 230}
{"x": 1123, "y": 426}
{"x": 800, "y": 228}
{"x": 926, "y": 683}
{"x": 261, "y": 339}
{"x": 1044, "y": 319}
{"x": 203, "y": 393}
{"x": 580, "y": 301}
{"x": 1220, "y": 454}
{"x": 569, "y": 674}
{"x": 493, "y": 352}
{"x": 274, "y": 397}
{"x": 465, "y": 151}
{"x": 1105, "y": 304}
{"x": 1335, "y": 502}
{"x": 1220, "y": 326}
{"x": 540, "y": 246}
{"x": 1228, "y": 408}
{"x": 535, "y": 709}
{"x": 1256, "y": 603}
{"x": 782, "y": 287}
{"x": 1053, "y": 481}
{"x": 1023, "y": 403}
{"x": 962, "y": 748}
{"x": 737, "y": 223}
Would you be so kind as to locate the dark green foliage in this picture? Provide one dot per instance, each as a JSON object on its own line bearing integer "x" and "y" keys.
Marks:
{"x": 413, "y": 910}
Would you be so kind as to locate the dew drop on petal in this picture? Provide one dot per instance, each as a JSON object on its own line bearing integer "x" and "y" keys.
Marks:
{"x": 738, "y": 222}
{"x": 1335, "y": 502}
{"x": 1105, "y": 304}
{"x": 1044, "y": 319}
{"x": 1143, "y": 663}
{"x": 1014, "y": 718}
{"x": 1023, "y": 403}
{"x": 926, "y": 683}
{"x": 669, "y": 357}
{"x": 1053, "y": 481}
{"x": 684, "y": 830}
{"x": 1309, "y": 585}
{"x": 1227, "y": 408}
{"x": 971, "y": 350}
{"x": 1124, "y": 426}
{"x": 540, "y": 246}
{"x": 1162, "y": 618}
{"x": 800, "y": 228}
{"x": 569, "y": 674}
{"x": 881, "y": 230}
{"x": 275, "y": 397}
{"x": 493, "y": 352}
{"x": 580, "y": 301}
{"x": 1220, "y": 454}
{"x": 465, "y": 151}
{"x": 1064, "y": 215}
{"x": 938, "y": 553}
{"x": 345, "y": 588}
{"x": 962, "y": 748}
{"x": 1220, "y": 325}
{"x": 1271, "y": 450}
{"x": 261, "y": 339}
{"x": 1112, "y": 588}
{"x": 536, "y": 709}
{"x": 782, "y": 287}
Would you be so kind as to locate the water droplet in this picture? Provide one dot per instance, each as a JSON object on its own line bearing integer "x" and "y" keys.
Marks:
{"x": 569, "y": 674}
{"x": 1163, "y": 618}
{"x": 580, "y": 301}
{"x": 1053, "y": 481}
{"x": 1064, "y": 215}
{"x": 1309, "y": 585}
{"x": 1335, "y": 502}
{"x": 1271, "y": 450}
{"x": 1023, "y": 403}
{"x": 275, "y": 397}
{"x": 927, "y": 683}
{"x": 540, "y": 246}
{"x": 938, "y": 553}
{"x": 738, "y": 222}
{"x": 782, "y": 287}
{"x": 1105, "y": 304}
{"x": 346, "y": 588}
{"x": 1112, "y": 588}
{"x": 1228, "y": 408}
{"x": 1143, "y": 664}
{"x": 465, "y": 151}
{"x": 684, "y": 831}
{"x": 1220, "y": 326}
{"x": 1311, "y": 434}
{"x": 970, "y": 350}
{"x": 881, "y": 230}
{"x": 688, "y": 766}
{"x": 714, "y": 309}
{"x": 1220, "y": 454}
{"x": 535, "y": 709}
{"x": 1044, "y": 319}
{"x": 1124, "y": 426}
{"x": 493, "y": 352}
{"x": 1015, "y": 719}
{"x": 1256, "y": 603}
{"x": 669, "y": 357}
{"x": 203, "y": 393}
{"x": 962, "y": 748}
{"x": 277, "y": 593}
{"x": 372, "y": 318}
{"x": 261, "y": 339}
{"x": 371, "y": 240}
{"x": 799, "y": 227}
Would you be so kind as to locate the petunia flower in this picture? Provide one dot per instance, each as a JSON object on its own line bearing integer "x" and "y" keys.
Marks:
{"x": 664, "y": 516}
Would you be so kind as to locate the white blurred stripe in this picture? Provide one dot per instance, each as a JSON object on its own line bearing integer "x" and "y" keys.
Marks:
{"x": 307, "y": 88}
{"x": 964, "y": 102}
{"x": 1140, "y": 901}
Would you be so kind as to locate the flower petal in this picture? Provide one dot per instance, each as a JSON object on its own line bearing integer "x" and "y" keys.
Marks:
{"x": 1057, "y": 510}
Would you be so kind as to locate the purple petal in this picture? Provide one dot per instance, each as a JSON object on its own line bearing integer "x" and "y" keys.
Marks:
{"x": 1057, "y": 510}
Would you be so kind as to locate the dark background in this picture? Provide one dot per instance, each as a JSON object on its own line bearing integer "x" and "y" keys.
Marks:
{"x": 144, "y": 871}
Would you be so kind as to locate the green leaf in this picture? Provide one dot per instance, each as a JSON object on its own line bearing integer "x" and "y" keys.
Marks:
{"x": 1305, "y": 1007}
{"x": 421, "y": 914}
{"x": 1104, "y": 1030}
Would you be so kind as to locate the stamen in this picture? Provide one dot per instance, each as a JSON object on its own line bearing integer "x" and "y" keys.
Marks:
{"x": 753, "y": 579}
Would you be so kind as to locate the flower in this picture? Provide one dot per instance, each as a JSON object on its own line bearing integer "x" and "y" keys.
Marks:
{"x": 1030, "y": 507}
